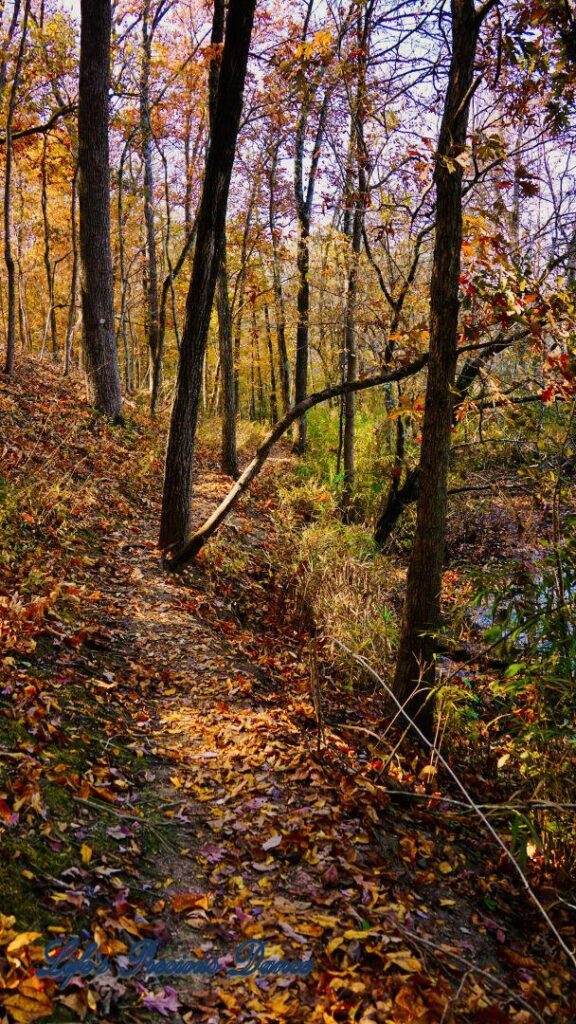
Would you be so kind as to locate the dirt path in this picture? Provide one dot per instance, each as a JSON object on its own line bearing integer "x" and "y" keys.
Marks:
{"x": 274, "y": 843}
{"x": 161, "y": 776}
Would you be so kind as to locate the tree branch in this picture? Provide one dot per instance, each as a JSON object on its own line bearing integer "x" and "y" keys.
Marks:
{"x": 41, "y": 129}
{"x": 181, "y": 558}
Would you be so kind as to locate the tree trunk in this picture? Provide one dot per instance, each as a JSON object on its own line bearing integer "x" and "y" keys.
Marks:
{"x": 359, "y": 159}
{"x": 304, "y": 204}
{"x": 47, "y": 254}
{"x": 225, "y": 340}
{"x": 415, "y": 668}
{"x": 229, "y": 452}
{"x": 280, "y": 310}
{"x": 74, "y": 279}
{"x": 176, "y": 501}
{"x": 240, "y": 293}
{"x": 351, "y": 357}
{"x": 273, "y": 392}
{"x": 97, "y": 288}
{"x": 122, "y": 335}
{"x": 146, "y": 142}
{"x": 302, "y": 339}
{"x": 8, "y": 254}
{"x": 167, "y": 289}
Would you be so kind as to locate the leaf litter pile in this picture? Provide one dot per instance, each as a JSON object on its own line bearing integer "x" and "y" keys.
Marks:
{"x": 162, "y": 776}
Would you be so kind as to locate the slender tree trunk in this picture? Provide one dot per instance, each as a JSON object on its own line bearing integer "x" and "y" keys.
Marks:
{"x": 304, "y": 204}
{"x": 415, "y": 668}
{"x": 74, "y": 279}
{"x": 97, "y": 288}
{"x": 176, "y": 501}
{"x": 302, "y": 329}
{"x": 359, "y": 162}
{"x": 47, "y": 254}
{"x": 280, "y": 310}
{"x": 240, "y": 294}
{"x": 21, "y": 280}
{"x": 147, "y": 148}
{"x": 229, "y": 451}
{"x": 167, "y": 289}
{"x": 122, "y": 336}
{"x": 351, "y": 357}
{"x": 273, "y": 390}
{"x": 261, "y": 415}
{"x": 8, "y": 254}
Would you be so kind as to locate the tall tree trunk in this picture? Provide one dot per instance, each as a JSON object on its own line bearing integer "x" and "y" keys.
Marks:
{"x": 240, "y": 292}
{"x": 167, "y": 289}
{"x": 8, "y": 254}
{"x": 273, "y": 392}
{"x": 280, "y": 309}
{"x": 304, "y": 204}
{"x": 302, "y": 330}
{"x": 47, "y": 254}
{"x": 176, "y": 500}
{"x": 229, "y": 450}
{"x": 351, "y": 357}
{"x": 147, "y": 146}
{"x": 415, "y": 668}
{"x": 122, "y": 335}
{"x": 225, "y": 340}
{"x": 97, "y": 287}
{"x": 74, "y": 279}
{"x": 359, "y": 161}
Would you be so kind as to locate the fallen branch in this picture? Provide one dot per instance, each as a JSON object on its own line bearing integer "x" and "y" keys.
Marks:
{"x": 180, "y": 559}
{"x": 175, "y": 561}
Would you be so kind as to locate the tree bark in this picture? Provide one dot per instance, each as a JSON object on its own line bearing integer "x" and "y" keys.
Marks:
{"x": 415, "y": 668}
{"x": 229, "y": 454}
{"x": 146, "y": 142}
{"x": 280, "y": 310}
{"x": 304, "y": 204}
{"x": 97, "y": 289}
{"x": 74, "y": 278}
{"x": 8, "y": 254}
{"x": 176, "y": 501}
{"x": 47, "y": 254}
{"x": 273, "y": 392}
{"x": 229, "y": 450}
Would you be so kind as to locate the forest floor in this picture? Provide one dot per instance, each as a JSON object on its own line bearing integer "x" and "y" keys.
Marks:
{"x": 162, "y": 775}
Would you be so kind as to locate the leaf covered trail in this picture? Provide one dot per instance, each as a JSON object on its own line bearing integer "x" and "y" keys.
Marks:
{"x": 205, "y": 815}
